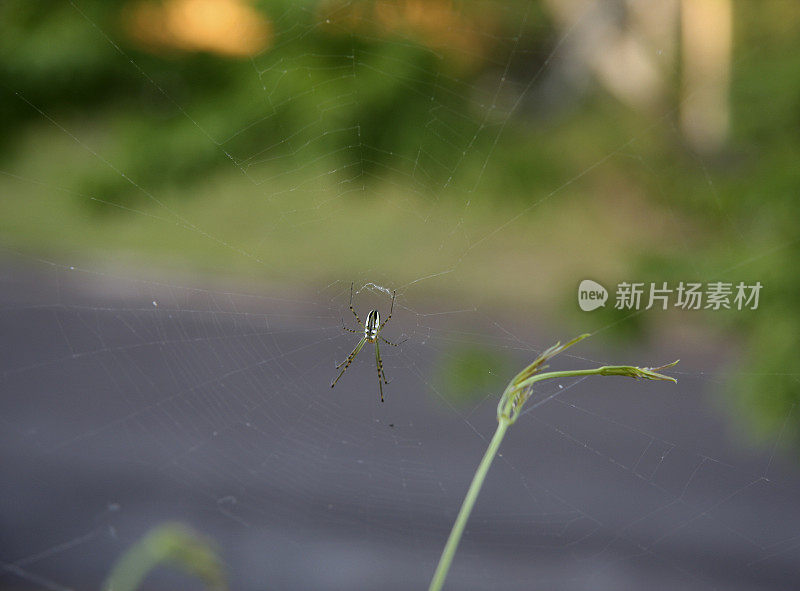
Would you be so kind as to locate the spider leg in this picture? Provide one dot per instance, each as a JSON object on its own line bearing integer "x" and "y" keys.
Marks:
{"x": 349, "y": 360}
{"x": 394, "y": 295}
{"x": 379, "y": 363}
{"x": 391, "y": 343}
{"x": 352, "y": 309}
{"x": 350, "y": 329}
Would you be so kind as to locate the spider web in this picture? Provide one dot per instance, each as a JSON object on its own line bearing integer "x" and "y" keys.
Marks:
{"x": 129, "y": 401}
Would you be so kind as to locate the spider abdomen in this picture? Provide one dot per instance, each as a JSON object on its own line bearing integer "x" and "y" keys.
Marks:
{"x": 371, "y": 326}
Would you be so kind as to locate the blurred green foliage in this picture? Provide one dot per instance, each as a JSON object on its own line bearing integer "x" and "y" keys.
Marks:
{"x": 171, "y": 545}
{"x": 468, "y": 373}
{"x": 349, "y": 98}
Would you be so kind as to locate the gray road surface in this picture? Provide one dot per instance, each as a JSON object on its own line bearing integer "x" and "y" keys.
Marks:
{"x": 127, "y": 404}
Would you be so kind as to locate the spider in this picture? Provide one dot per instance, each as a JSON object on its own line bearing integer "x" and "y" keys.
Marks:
{"x": 372, "y": 332}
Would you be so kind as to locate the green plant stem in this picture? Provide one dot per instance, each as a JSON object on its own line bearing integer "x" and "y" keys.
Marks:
{"x": 466, "y": 507}
{"x": 508, "y": 410}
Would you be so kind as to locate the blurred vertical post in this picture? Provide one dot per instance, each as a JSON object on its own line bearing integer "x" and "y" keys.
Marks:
{"x": 621, "y": 44}
{"x": 706, "y": 30}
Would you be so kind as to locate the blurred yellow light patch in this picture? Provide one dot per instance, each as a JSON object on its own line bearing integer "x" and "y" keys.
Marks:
{"x": 437, "y": 24}
{"x": 227, "y": 27}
